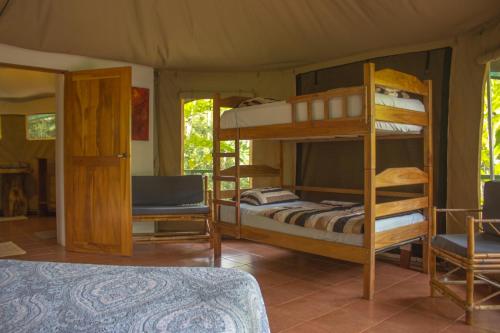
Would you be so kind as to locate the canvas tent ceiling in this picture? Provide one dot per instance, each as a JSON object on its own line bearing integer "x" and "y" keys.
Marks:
{"x": 234, "y": 35}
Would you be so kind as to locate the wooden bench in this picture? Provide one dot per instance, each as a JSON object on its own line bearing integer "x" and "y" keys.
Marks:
{"x": 172, "y": 198}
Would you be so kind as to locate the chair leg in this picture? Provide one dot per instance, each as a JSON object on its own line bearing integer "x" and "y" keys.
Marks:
{"x": 217, "y": 245}
{"x": 209, "y": 229}
{"x": 469, "y": 297}
{"x": 432, "y": 271}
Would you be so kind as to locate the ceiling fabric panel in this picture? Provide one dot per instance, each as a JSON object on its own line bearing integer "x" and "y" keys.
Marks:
{"x": 234, "y": 35}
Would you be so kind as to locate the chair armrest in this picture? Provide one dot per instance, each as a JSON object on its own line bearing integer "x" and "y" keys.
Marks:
{"x": 463, "y": 210}
{"x": 471, "y": 237}
{"x": 486, "y": 220}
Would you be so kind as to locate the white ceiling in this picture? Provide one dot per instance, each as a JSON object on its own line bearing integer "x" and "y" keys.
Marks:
{"x": 235, "y": 34}
{"x": 20, "y": 84}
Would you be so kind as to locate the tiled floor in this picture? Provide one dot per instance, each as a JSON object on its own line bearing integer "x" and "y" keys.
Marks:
{"x": 303, "y": 293}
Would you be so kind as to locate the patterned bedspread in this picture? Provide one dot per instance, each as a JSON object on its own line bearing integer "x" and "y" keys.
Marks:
{"x": 60, "y": 297}
{"x": 335, "y": 216}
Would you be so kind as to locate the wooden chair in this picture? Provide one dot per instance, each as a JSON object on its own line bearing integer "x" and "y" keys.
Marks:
{"x": 477, "y": 253}
{"x": 172, "y": 198}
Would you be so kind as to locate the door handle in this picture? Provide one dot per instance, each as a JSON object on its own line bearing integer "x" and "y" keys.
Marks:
{"x": 122, "y": 155}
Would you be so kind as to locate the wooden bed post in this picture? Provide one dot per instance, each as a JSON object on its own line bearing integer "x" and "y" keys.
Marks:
{"x": 428, "y": 188}
{"x": 216, "y": 173}
{"x": 237, "y": 175}
{"x": 369, "y": 141}
{"x": 281, "y": 164}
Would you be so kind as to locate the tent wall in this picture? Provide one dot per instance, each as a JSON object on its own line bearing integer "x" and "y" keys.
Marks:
{"x": 317, "y": 160}
{"x": 471, "y": 53}
{"x": 173, "y": 86}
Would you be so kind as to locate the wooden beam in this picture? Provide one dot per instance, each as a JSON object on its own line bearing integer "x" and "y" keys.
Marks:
{"x": 401, "y": 206}
{"x": 397, "y": 235}
{"x": 403, "y": 116}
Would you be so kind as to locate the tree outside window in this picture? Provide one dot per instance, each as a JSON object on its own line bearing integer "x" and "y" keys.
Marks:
{"x": 198, "y": 143}
{"x": 490, "y": 151}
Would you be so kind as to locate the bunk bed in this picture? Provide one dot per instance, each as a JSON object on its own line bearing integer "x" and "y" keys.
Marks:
{"x": 353, "y": 113}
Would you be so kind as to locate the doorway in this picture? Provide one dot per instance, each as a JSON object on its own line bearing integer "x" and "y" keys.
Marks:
{"x": 27, "y": 142}
{"x": 92, "y": 157}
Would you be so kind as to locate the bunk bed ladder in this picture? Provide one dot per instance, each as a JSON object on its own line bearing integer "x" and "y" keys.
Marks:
{"x": 218, "y": 178}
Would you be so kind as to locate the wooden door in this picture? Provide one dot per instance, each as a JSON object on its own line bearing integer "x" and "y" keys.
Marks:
{"x": 97, "y": 161}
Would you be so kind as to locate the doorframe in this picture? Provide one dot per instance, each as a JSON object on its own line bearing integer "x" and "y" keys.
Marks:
{"x": 59, "y": 158}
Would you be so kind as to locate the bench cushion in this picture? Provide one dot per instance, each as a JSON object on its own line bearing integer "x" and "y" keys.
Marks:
{"x": 166, "y": 190}
{"x": 457, "y": 243}
{"x": 491, "y": 207}
{"x": 170, "y": 210}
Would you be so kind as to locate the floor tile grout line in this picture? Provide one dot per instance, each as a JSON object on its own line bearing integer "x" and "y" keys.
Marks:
{"x": 308, "y": 294}
{"x": 353, "y": 302}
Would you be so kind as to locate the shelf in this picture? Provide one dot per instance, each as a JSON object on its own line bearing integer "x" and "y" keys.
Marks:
{"x": 252, "y": 171}
{"x": 14, "y": 170}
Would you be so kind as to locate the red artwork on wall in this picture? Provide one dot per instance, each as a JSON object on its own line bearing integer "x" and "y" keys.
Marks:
{"x": 140, "y": 114}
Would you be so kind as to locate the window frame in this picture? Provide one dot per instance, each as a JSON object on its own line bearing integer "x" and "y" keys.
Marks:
{"x": 26, "y": 126}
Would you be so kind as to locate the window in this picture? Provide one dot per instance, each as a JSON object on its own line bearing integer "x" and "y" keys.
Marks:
{"x": 198, "y": 141}
{"x": 490, "y": 139}
{"x": 41, "y": 126}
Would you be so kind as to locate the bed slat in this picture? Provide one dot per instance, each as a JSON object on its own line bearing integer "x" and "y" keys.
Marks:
{"x": 403, "y": 116}
{"x": 397, "y": 235}
{"x": 401, "y": 206}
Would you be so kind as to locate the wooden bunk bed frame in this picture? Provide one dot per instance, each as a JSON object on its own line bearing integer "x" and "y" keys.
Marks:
{"x": 363, "y": 128}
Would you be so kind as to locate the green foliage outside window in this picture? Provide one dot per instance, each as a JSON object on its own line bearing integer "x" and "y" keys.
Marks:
{"x": 198, "y": 143}
{"x": 41, "y": 126}
{"x": 495, "y": 107}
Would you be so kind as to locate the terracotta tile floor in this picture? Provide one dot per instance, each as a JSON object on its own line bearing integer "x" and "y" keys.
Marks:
{"x": 303, "y": 293}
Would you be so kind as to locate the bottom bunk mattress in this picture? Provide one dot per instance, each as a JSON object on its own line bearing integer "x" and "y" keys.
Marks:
{"x": 255, "y": 216}
{"x": 60, "y": 297}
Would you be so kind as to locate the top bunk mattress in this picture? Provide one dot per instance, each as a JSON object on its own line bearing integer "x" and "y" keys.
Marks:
{"x": 281, "y": 113}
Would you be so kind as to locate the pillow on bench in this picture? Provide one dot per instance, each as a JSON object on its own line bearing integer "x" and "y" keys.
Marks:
{"x": 168, "y": 195}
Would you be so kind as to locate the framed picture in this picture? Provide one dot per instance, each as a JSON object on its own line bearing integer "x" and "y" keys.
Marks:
{"x": 140, "y": 114}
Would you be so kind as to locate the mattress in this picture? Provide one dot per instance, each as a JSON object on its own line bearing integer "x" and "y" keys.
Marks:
{"x": 281, "y": 113}
{"x": 61, "y": 297}
{"x": 250, "y": 217}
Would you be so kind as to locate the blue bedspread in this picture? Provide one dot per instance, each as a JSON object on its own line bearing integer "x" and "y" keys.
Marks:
{"x": 60, "y": 297}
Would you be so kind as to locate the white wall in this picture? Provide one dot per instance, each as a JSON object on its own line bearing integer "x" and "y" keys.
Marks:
{"x": 142, "y": 76}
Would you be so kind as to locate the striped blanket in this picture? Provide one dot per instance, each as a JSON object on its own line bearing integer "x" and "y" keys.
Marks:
{"x": 334, "y": 216}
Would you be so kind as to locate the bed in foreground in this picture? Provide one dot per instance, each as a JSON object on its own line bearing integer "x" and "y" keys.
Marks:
{"x": 48, "y": 297}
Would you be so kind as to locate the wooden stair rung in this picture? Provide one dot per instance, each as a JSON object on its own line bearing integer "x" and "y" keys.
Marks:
{"x": 225, "y": 178}
{"x": 224, "y": 202}
{"x": 225, "y": 154}
{"x": 252, "y": 171}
